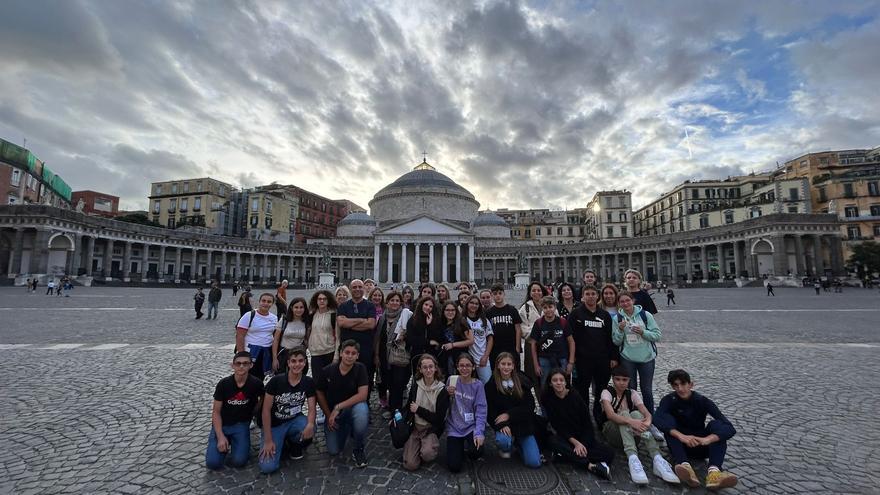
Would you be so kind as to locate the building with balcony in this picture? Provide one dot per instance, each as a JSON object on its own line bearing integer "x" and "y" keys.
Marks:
{"x": 548, "y": 227}
{"x": 609, "y": 215}
{"x": 194, "y": 203}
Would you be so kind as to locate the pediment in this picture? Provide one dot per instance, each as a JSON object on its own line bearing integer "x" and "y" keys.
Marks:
{"x": 424, "y": 226}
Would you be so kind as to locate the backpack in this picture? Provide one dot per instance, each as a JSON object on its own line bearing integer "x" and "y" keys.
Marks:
{"x": 250, "y": 322}
{"x": 539, "y": 325}
{"x": 615, "y": 403}
{"x": 644, "y": 318}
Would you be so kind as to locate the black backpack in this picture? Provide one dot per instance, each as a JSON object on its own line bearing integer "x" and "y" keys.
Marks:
{"x": 615, "y": 403}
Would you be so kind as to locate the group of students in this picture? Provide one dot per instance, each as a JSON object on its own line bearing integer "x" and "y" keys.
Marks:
{"x": 465, "y": 368}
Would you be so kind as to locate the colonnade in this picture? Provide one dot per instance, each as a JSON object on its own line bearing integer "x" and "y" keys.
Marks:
{"x": 413, "y": 262}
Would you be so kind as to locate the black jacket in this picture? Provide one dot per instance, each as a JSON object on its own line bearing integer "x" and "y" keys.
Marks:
{"x": 643, "y": 299}
{"x": 569, "y": 417}
{"x": 419, "y": 336}
{"x": 436, "y": 418}
{"x": 521, "y": 410}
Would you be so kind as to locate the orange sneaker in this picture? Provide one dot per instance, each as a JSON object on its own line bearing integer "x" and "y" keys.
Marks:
{"x": 717, "y": 480}
{"x": 687, "y": 475}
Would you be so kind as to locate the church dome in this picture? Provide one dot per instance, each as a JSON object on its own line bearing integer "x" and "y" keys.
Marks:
{"x": 489, "y": 219}
{"x": 356, "y": 224}
{"x": 488, "y": 225}
{"x": 357, "y": 218}
{"x": 424, "y": 191}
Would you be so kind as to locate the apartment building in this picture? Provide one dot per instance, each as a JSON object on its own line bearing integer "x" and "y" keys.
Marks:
{"x": 550, "y": 227}
{"x": 198, "y": 203}
{"x": 96, "y": 203}
{"x": 609, "y": 215}
{"x": 25, "y": 179}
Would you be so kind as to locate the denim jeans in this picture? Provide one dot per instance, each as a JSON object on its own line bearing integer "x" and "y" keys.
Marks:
{"x": 262, "y": 358}
{"x": 291, "y": 430}
{"x": 528, "y": 448}
{"x": 641, "y": 377}
{"x": 239, "y": 437}
{"x": 212, "y": 306}
{"x": 547, "y": 364}
{"x": 484, "y": 373}
{"x": 350, "y": 422}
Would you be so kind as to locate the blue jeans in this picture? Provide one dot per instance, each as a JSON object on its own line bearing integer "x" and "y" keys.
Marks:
{"x": 350, "y": 422}
{"x": 288, "y": 430}
{"x": 262, "y": 358}
{"x": 212, "y": 306}
{"x": 239, "y": 438}
{"x": 547, "y": 364}
{"x": 484, "y": 373}
{"x": 641, "y": 377}
{"x": 528, "y": 447}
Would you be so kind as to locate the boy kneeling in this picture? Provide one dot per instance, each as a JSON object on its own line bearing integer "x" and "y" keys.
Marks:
{"x": 629, "y": 421}
{"x": 681, "y": 417}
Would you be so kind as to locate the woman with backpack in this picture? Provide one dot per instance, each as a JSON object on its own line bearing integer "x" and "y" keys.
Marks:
{"x": 291, "y": 331}
{"x": 254, "y": 333}
{"x": 574, "y": 439}
{"x": 391, "y": 354}
{"x": 428, "y": 403}
{"x": 637, "y": 334}
{"x": 512, "y": 411}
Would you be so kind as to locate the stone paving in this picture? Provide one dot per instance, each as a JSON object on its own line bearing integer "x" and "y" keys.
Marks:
{"x": 794, "y": 374}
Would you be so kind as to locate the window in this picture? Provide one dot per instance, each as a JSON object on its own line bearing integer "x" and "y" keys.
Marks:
{"x": 581, "y": 229}
{"x": 608, "y": 217}
{"x": 172, "y": 206}
{"x": 754, "y": 213}
{"x": 853, "y": 231}
{"x": 158, "y": 189}
{"x": 174, "y": 188}
{"x": 876, "y": 230}
{"x": 16, "y": 177}
{"x": 704, "y": 221}
{"x": 171, "y": 223}
{"x": 269, "y": 206}
{"x": 13, "y": 200}
{"x": 848, "y": 191}
{"x": 197, "y": 204}
{"x": 199, "y": 188}
{"x": 873, "y": 190}
{"x": 695, "y": 194}
{"x": 792, "y": 209}
{"x": 186, "y": 187}
{"x": 157, "y": 205}
{"x": 608, "y": 201}
{"x": 255, "y": 205}
{"x": 610, "y": 231}
{"x": 822, "y": 197}
{"x": 728, "y": 217}
{"x": 537, "y": 231}
{"x": 570, "y": 231}
{"x": 622, "y": 201}
{"x": 851, "y": 211}
{"x": 549, "y": 231}
{"x": 623, "y": 231}
{"x": 528, "y": 233}
{"x": 793, "y": 194}
{"x": 183, "y": 204}
{"x": 268, "y": 222}
{"x": 558, "y": 230}
{"x": 255, "y": 220}
{"x": 622, "y": 216}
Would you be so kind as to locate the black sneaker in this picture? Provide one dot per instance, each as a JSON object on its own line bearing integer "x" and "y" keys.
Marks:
{"x": 601, "y": 470}
{"x": 359, "y": 458}
{"x": 296, "y": 450}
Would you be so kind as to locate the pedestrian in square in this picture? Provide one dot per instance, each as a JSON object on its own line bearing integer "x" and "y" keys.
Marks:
{"x": 199, "y": 299}
{"x": 214, "y": 299}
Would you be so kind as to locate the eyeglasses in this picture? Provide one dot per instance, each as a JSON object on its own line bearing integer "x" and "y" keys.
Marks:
{"x": 242, "y": 363}
{"x": 465, "y": 365}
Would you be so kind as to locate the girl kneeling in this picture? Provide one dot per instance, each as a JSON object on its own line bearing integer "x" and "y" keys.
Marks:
{"x": 428, "y": 403}
{"x": 467, "y": 413}
{"x": 512, "y": 411}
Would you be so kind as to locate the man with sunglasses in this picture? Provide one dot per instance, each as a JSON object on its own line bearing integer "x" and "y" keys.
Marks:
{"x": 236, "y": 397}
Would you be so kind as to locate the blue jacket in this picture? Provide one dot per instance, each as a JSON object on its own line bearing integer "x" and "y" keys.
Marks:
{"x": 689, "y": 416}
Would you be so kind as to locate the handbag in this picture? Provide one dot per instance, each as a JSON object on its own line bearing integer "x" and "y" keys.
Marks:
{"x": 397, "y": 354}
{"x": 400, "y": 431}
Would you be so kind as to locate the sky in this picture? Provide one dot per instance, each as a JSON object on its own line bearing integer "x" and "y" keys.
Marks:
{"x": 525, "y": 104}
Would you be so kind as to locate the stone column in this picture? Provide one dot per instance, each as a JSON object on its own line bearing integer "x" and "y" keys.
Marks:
{"x": 780, "y": 257}
{"x": 278, "y": 268}
{"x": 418, "y": 262}
{"x": 238, "y": 265}
{"x": 108, "y": 259}
{"x": 722, "y": 262}
{"x": 472, "y": 277}
{"x": 688, "y": 266}
{"x": 161, "y": 268}
{"x": 457, "y": 262}
{"x": 15, "y": 254}
{"x": 431, "y": 274}
{"x": 376, "y": 248}
{"x": 553, "y": 269}
{"x": 704, "y": 263}
{"x": 817, "y": 254}
{"x": 390, "y": 272}
{"x": 799, "y": 255}
{"x": 445, "y": 265}
{"x": 290, "y": 269}
{"x": 672, "y": 274}
{"x": 178, "y": 264}
{"x": 613, "y": 268}
{"x": 76, "y": 257}
{"x": 834, "y": 243}
{"x": 145, "y": 264}
{"x": 194, "y": 265}
{"x": 265, "y": 274}
{"x": 657, "y": 268}
{"x": 579, "y": 276}
{"x": 224, "y": 264}
{"x": 403, "y": 270}
{"x": 737, "y": 258}
{"x": 90, "y": 254}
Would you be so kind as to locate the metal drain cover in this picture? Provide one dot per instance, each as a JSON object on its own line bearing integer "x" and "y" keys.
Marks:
{"x": 508, "y": 476}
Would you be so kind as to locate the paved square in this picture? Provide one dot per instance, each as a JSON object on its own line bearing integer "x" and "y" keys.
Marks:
{"x": 109, "y": 391}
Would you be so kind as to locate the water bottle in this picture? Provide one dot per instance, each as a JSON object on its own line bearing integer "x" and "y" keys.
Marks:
{"x": 397, "y": 416}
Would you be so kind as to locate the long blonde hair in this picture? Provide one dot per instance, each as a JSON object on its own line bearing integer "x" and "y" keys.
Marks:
{"x": 517, "y": 390}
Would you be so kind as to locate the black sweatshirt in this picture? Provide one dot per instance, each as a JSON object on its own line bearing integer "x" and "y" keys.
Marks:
{"x": 592, "y": 336}
{"x": 418, "y": 336}
{"x": 690, "y": 415}
{"x": 521, "y": 410}
{"x": 643, "y": 299}
{"x": 569, "y": 416}
{"x": 436, "y": 418}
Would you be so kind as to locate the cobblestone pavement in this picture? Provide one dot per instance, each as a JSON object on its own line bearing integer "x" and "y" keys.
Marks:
{"x": 117, "y": 400}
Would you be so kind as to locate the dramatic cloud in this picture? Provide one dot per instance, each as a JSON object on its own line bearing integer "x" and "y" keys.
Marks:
{"x": 526, "y": 104}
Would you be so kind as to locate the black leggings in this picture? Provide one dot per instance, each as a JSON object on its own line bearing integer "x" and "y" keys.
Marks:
{"x": 398, "y": 380}
{"x": 455, "y": 448}
{"x": 596, "y": 451}
{"x": 319, "y": 362}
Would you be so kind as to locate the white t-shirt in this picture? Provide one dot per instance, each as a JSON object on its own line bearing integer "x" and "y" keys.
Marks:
{"x": 634, "y": 395}
{"x": 294, "y": 334}
{"x": 480, "y": 334}
{"x": 261, "y": 329}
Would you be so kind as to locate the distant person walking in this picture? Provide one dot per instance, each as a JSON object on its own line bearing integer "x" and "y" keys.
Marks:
{"x": 281, "y": 299}
{"x": 50, "y": 288}
{"x": 34, "y": 286}
{"x": 199, "y": 299}
{"x": 817, "y": 285}
{"x": 770, "y": 290}
{"x": 244, "y": 302}
{"x": 28, "y": 285}
{"x": 214, "y": 299}
{"x": 670, "y": 296}
{"x": 235, "y": 288}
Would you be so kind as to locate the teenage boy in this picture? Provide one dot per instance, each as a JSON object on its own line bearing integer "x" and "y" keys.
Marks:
{"x": 486, "y": 299}
{"x": 236, "y": 398}
{"x": 681, "y": 417}
{"x": 588, "y": 279}
{"x": 595, "y": 352}
{"x": 342, "y": 394}
{"x": 550, "y": 342}
{"x": 356, "y": 320}
{"x": 506, "y": 325}
{"x": 629, "y": 421}
{"x": 284, "y": 424}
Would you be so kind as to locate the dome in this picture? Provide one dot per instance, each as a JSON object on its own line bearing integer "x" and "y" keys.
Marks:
{"x": 489, "y": 219}
{"x": 423, "y": 178}
{"x": 357, "y": 218}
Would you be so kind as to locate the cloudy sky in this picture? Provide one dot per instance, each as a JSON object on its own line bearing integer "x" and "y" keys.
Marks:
{"x": 526, "y": 104}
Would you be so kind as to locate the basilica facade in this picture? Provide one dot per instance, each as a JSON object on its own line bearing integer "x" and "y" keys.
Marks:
{"x": 421, "y": 227}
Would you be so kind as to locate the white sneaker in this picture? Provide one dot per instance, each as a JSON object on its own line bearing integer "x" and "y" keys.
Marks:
{"x": 657, "y": 434}
{"x": 504, "y": 455}
{"x": 319, "y": 417}
{"x": 636, "y": 471}
{"x": 662, "y": 469}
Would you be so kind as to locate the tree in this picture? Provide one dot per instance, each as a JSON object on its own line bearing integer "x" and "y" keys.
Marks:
{"x": 139, "y": 218}
{"x": 866, "y": 256}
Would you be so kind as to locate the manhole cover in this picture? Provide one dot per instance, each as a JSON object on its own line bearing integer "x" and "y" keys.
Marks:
{"x": 508, "y": 476}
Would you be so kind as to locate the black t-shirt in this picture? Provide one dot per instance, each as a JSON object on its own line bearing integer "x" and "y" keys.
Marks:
{"x": 289, "y": 400}
{"x": 363, "y": 309}
{"x": 551, "y": 337}
{"x": 238, "y": 402}
{"x": 338, "y": 387}
{"x": 504, "y": 321}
